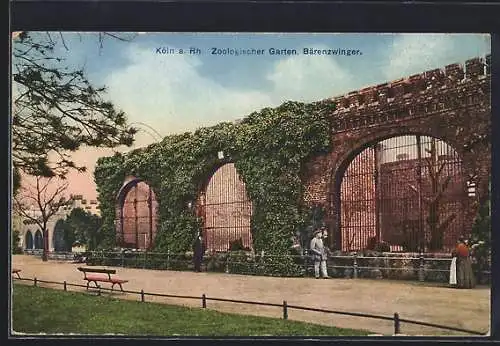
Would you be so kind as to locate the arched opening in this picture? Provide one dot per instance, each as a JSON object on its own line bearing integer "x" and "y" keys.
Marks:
{"x": 28, "y": 240}
{"x": 225, "y": 209}
{"x": 38, "y": 240}
{"x": 137, "y": 215}
{"x": 59, "y": 239}
{"x": 406, "y": 191}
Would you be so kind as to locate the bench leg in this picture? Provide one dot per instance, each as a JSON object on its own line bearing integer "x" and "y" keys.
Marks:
{"x": 88, "y": 283}
{"x": 98, "y": 288}
{"x": 113, "y": 286}
{"x": 121, "y": 287}
{"x": 18, "y": 276}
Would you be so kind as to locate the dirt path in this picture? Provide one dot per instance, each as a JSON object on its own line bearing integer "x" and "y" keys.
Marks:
{"x": 413, "y": 301}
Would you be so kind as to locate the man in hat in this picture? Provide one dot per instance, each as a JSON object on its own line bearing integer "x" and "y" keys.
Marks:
{"x": 319, "y": 253}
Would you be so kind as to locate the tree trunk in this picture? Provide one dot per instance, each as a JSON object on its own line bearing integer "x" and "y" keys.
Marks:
{"x": 45, "y": 254}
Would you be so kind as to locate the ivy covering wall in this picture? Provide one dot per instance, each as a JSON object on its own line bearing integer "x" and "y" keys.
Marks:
{"x": 268, "y": 148}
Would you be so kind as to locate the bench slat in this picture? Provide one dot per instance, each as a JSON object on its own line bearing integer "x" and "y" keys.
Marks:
{"x": 97, "y": 270}
{"x": 104, "y": 279}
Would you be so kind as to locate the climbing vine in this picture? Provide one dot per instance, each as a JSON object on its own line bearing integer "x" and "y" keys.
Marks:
{"x": 268, "y": 148}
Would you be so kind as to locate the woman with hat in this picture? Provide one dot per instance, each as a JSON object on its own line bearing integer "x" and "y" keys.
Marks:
{"x": 319, "y": 252}
{"x": 464, "y": 274}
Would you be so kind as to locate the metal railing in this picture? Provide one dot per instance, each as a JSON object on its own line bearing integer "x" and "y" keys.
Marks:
{"x": 350, "y": 266}
{"x": 355, "y": 266}
{"x": 397, "y": 320}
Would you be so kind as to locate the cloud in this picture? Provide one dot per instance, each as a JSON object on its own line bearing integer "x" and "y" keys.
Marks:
{"x": 309, "y": 78}
{"x": 167, "y": 93}
{"x": 415, "y": 53}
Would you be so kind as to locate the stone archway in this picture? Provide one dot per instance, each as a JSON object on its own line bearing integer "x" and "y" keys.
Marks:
{"x": 58, "y": 238}
{"x": 137, "y": 215}
{"x": 28, "y": 240}
{"x": 38, "y": 241}
{"x": 408, "y": 191}
{"x": 225, "y": 210}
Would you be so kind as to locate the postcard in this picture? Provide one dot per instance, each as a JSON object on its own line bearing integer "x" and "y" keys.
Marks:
{"x": 250, "y": 184}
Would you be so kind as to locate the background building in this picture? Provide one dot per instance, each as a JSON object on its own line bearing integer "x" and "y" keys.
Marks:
{"x": 31, "y": 236}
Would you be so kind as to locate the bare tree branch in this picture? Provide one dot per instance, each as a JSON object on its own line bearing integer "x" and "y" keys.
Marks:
{"x": 62, "y": 40}
{"x": 47, "y": 204}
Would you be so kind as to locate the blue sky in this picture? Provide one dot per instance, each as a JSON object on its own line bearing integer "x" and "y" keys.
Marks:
{"x": 175, "y": 93}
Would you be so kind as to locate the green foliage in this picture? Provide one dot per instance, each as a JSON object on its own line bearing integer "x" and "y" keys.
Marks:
{"x": 16, "y": 181}
{"x": 481, "y": 240}
{"x": 382, "y": 247}
{"x": 83, "y": 227}
{"x": 268, "y": 149}
{"x": 481, "y": 229}
{"x": 16, "y": 249}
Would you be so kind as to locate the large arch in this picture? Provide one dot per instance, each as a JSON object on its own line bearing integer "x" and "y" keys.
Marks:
{"x": 403, "y": 190}
{"x": 28, "y": 240}
{"x": 58, "y": 237}
{"x": 137, "y": 215}
{"x": 38, "y": 240}
{"x": 225, "y": 209}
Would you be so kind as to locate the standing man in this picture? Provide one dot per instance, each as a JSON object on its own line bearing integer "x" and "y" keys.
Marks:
{"x": 319, "y": 252}
{"x": 198, "y": 250}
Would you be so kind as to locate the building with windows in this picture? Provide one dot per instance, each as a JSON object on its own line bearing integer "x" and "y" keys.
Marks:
{"x": 30, "y": 234}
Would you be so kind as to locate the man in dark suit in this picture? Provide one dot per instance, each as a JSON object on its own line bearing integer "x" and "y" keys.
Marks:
{"x": 198, "y": 250}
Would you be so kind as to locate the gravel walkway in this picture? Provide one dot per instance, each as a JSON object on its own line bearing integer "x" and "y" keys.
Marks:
{"x": 412, "y": 300}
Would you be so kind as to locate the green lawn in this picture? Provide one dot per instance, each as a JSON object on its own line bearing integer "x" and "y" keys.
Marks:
{"x": 46, "y": 310}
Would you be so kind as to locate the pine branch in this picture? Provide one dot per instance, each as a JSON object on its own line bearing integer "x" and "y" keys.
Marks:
{"x": 57, "y": 109}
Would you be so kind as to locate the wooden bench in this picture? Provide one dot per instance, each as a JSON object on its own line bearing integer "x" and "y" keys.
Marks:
{"x": 97, "y": 275}
{"x": 16, "y": 271}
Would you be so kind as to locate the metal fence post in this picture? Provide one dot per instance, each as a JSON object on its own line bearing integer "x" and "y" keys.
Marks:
{"x": 123, "y": 259}
{"x": 65, "y": 285}
{"x": 306, "y": 262}
{"x": 397, "y": 327}
{"x": 145, "y": 260}
{"x": 227, "y": 265}
{"x": 203, "y": 301}
{"x": 285, "y": 310}
{"x": 142, "y": 296}
{"x": 421, "y": 272}
{"x": 355, "y": 266}
{"x": 34, "y": 282}
{"x": 168, "y": 259}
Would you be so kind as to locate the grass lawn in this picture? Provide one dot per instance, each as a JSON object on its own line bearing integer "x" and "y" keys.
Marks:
{"x": 36, "y": 310}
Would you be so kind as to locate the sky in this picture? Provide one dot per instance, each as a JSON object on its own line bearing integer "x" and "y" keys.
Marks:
{"x": 165, "y": 94}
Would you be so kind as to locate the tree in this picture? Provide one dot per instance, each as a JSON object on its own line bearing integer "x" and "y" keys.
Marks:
{"x": 57, "y": 110}
{"x": 84, "y": 228}
{"x": 481, "y": 237}
{"x": 435, "y": 200}
{"x": 16, "y": 249}
{"x": 46, "y": 204}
